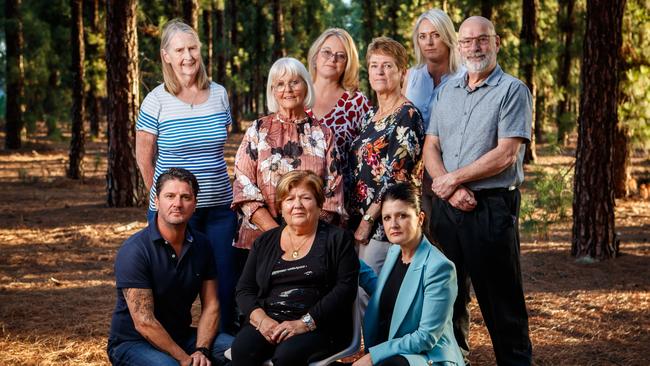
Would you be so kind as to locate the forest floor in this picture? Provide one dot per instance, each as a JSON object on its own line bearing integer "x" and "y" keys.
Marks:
{"x": 58, "y": 241}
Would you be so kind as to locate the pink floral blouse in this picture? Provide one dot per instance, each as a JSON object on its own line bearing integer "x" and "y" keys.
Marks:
{"x": 270, "y": 149}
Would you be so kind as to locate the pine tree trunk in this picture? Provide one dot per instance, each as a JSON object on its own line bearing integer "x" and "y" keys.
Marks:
{"x": 567, "y": 26}
{"x": 278, "y": 30}
{"x": 124, "y": 183}
{"x": 75, "y": 166}
{"x": 191, "y": 13}
{"x": 369, "y": 18}
{"x": 528, "y": 37}
{"x": 621, "y": 162}
{"x": 207, "y": 34}
{"x": 234, "y": 93}
{"x": 92, "y": 101}
{"x": 221, "y": 46}
{"x": 15, "y": 74}
{"x": 172, "y": 8}
{"x": 487, "y": 8}
{"x": 593, "y": 201}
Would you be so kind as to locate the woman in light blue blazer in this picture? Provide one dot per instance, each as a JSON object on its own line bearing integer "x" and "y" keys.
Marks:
{"x": 408, "y": 319}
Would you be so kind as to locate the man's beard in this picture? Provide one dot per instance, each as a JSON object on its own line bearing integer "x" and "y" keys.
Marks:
{"x": 478, "y": 66}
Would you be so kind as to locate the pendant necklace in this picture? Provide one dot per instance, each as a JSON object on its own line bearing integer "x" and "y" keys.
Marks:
{"x": 296, "y": 251}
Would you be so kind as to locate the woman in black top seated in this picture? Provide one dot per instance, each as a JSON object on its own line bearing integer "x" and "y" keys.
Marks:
{"x": 298, "y": 284}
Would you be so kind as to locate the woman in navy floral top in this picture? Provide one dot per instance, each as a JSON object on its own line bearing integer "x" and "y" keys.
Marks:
{"x": 387, "y": 150}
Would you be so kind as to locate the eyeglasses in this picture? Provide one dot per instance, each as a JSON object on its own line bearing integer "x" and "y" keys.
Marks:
{"x": 338, "y": 56}
{"x": 483, "y": 40}
{"x": 293, "y": 85}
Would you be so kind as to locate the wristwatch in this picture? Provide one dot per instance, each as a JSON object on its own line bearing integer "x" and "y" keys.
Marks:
{"x": 309, "y": 322}
{"x": 369, "y": 219}
{"x": 204, "y": 350}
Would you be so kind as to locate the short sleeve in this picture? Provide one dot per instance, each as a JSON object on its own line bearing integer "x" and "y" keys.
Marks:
{"x": 435, "y": 114}
{"x": 226, "y": 104}
{"x": 131, "y": 265}
{"x": 149, "y": 114}
{"x": 516, "y": 114}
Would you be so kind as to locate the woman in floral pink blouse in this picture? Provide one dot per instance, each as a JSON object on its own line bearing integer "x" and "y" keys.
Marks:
{"x": 286, "y": 140}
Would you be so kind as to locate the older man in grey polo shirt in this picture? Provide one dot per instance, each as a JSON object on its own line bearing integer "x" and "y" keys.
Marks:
{"x": 474, "y": 151}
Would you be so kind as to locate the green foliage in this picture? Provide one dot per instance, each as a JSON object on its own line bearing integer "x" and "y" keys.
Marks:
{"x": 547, "y": 201}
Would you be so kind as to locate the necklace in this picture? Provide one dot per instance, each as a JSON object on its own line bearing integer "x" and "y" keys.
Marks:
{"x": 193, "y": 98}
{"x": 295, "y": 121}
{"x": 295, "y": 253}
{"x": 387, "y": 111}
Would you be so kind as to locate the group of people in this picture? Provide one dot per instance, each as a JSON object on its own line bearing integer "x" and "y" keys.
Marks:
{"x": 403, "y": 204}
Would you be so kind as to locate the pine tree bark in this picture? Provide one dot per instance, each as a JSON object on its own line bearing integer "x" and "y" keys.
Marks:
{"x": 622, "y": 174}
{"x": 77, "y": 141}
{"x": 528, "y": 37}
{"x": 191, "y": 13}
{"x": 92, "y": 100}
{"x": 208, "y": 41}
{"x": 487, "y": 8}
{"x": 278, "y": 30}
{"x": 124, "y": 184}
{"x": 234, "y": 67}
{"x": 567, "y": 26}
{"x": 172, "y": 9}
{"x": 221, "y": 45}
{"x": 15, "y": 74}
{"x": 593, "y": 201}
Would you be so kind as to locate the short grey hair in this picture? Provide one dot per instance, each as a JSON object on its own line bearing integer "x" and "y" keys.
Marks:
{"x": 445, "y": 27}
{"x": 292, "y": 67}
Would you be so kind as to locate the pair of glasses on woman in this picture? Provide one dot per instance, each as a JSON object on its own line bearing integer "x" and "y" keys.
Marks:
{"x": 338, "y": 56}
{"x": 291, "y": 84}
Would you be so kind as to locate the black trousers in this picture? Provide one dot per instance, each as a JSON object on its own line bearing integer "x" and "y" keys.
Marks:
{"x": 484, "y": 246}
{"x": 250, "y": 348}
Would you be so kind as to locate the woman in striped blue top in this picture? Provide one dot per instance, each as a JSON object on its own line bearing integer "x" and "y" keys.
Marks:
{"x": 183, "y": 123}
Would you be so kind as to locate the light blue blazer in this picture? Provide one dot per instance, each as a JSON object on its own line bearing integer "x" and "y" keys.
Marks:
{"x": 420, "y": 328}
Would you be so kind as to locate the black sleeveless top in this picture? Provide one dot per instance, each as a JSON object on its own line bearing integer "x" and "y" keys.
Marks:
{"x": 389, "y": 297}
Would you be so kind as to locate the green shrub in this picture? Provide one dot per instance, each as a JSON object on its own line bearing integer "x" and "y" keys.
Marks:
{"x": 548, "y": 200}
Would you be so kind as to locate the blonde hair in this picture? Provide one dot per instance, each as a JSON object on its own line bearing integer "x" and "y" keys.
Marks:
{"x": 295, "y": 178}
{"x": 350, "y": 78}
{"x": 388, "y": 47}
{"x": 172, "y": 84}
{"x": 443, "y": 24}
{"x": 292, "y": 67}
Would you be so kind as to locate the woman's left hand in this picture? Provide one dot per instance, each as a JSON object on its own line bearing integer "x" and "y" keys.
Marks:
{"x": 363, "y": 232}
{"x": 288, "y": 329}
{"x": 366, "y": 360}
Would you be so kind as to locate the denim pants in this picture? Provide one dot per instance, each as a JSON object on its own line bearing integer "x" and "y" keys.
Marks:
{"x": 142, "y": 353}
{"x": 219, "y": 223}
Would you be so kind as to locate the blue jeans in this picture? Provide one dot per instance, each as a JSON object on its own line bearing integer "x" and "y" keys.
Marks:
{"x": 142, "y": 353}
{"x": 219, "y": 223}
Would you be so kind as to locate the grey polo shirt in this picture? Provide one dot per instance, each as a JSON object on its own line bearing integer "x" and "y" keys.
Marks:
{"x": 470, "y": 122}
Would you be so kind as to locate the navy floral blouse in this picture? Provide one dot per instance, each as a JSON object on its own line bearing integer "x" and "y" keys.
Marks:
{"x": 385, "y": 152}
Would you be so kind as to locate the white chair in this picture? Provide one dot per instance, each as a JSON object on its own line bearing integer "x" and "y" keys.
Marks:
{"x": 352, "y": 349}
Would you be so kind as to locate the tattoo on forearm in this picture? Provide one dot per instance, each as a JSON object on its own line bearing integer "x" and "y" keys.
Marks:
{"x": 140, "y": 303}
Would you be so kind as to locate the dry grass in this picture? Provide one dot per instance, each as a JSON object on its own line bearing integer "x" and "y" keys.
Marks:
{"x": 58, "y": 241}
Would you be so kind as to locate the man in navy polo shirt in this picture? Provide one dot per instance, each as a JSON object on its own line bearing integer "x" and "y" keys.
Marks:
{"x": 159, "y": 272}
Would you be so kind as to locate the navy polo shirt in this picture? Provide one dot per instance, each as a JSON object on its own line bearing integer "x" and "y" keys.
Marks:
{"x": 147, "y": 261}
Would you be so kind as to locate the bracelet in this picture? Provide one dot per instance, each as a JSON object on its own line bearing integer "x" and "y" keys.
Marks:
{"x": 204, "y": 350}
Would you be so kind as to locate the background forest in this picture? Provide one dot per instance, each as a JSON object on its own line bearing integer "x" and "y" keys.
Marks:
{"x": 72, "y": 74}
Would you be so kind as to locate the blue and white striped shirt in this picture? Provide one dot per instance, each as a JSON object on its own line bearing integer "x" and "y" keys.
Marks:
{"x": 192, "y": 138}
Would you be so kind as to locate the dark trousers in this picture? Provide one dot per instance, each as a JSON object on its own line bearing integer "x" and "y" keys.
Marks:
{"x": 427, "y": 202}
{"x": 484, "y": 246}
{"x": 250, "y": 348}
